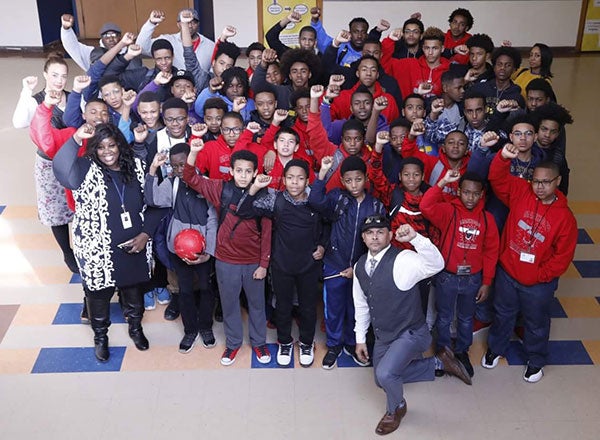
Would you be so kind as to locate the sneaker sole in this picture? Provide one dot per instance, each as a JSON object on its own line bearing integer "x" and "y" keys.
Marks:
{"x": 184, "y": 351}
{"x": 494, "y": 363}
{"x": 263, "y": 360}
{"x": 329, "y": 367}
{"x": 205, "y": 345}
{"x": 227, "y": 362}
{"x": 356, "y": 361}
{"x": 163, "y": 302}
{"x": 534, "y": 378}
{"x": 150, "y": 307}
{"x": 306, "y": 365}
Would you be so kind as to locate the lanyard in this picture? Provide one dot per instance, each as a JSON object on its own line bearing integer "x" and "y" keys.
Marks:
{"x": 534, "y": 226}
{"x": 120, "y": 192}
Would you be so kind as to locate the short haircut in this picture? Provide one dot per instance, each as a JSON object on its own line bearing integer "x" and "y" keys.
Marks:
{"x": 433, "y": 33}
{"x": 95, "y": 100}
{"x": 244, "y": 155}
{"x": 307, "y": 57}
{"x": 472, "y": 177}
{"x": 161, "y": 43}
{"x": 217, "y": 103}
{"x": 540, "y": 84}
{"x": 552, "y": 112}
{"x": 265, "y": 88}
{"x": 229, "y": 49}
{"x": 412, "y": 161}
{"x": 297, "y": 163}
{"x": 299, "y": 94}
{"x": 254, "y": 46}
{"x": 353, "y": 163}
{"x": 413, "y": 96}
{"x": 358, "y": 20}
{"x": 456, "y": 131}
{"x": 414, "y": 21}
{"x": 233, "y": 115}
{"x": 368, "y": 57}
{"x": 109, "y": 79}
{"x": 148, "y": 97}
{"x": 463, "y": 13}
{"x": 451, "y": 74}
{"x": 353, "y": 124}
{"x": 510, "y": 52}
{"x": 549, "y": 165}
{"x": 400, "y": 122}
{"x": 288, "y": 130}
{"x": 309, "y": 29}
{"x": 174, "y": 103}
{"x": 524, "y": 119}
{"x": 181, "y": 147}
{"x": 371, "y": 40}
{"x": 362, "y": 89}
{"x": 481, "y": 40}
{"x": 473, "y": 94}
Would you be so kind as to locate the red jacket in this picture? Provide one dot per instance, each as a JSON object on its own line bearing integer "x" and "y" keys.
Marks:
{"x": 304, "y": 152}
{"x": 241, "y": 244}
{"x": 451, "y": 43}
{"x": 468, "y": 237}
{"x": 49, "y": 139}
{"x": 410, "y": 148}
{"x": 549, "y": 232}
{"x": 340, "y": 107}
{"x": 410, "y": 72}
{"x": 321, "y": 146}
{"x": 245, "y": 143}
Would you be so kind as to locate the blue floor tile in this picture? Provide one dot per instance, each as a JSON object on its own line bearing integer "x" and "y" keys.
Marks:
{"x": 559, "y": 353}
{"x": 556, "y": 309}
{"x": 69, "y": 313}
{"x": 2, "y": 209}
{"x": 75, "y": 279}
{"x": 583, "y": 237}
{"x": 588, "y": 269}
{"x": 273, "y": 364}
{"x": 76, "y": 360}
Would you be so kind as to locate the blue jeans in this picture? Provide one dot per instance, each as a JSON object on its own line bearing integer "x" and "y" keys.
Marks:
{"x": 455, "y": 292}
{"x": 534, "y": 304}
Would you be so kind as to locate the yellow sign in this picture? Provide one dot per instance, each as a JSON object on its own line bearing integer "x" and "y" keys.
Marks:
{"x": 590, "y": 26}
{"x": 271, "y": 12}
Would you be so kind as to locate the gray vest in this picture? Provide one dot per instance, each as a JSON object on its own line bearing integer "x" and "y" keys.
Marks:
{"x": 392, "y": 310}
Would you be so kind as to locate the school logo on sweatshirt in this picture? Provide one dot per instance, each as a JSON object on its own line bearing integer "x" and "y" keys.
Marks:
{"x": 530, "y": 232}
{"x": 468, "y": 231}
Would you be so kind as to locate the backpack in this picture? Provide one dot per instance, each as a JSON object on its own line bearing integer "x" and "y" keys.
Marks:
{"x": 227, "y": 195}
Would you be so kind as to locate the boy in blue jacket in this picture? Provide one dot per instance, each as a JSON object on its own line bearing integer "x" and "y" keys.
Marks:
{"x": 346, "y": 209}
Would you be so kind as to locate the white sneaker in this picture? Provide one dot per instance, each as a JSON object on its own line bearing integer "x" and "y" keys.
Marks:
{"x": 533, "y": 374}
{"x": 284, "y": 354}
{"x": 307, "y": 354}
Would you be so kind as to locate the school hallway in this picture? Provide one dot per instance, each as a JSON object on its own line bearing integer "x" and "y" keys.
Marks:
{"x": 52, "y": 387}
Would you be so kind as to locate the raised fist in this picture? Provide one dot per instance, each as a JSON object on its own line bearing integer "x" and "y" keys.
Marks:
{"x": 510, "y": 152}
{"x": 52, "y": 98}
{"x": 269, "y": 55}
{"x": 317, "y": 91}
{"x": 186, "y": 17}
{"x": 81, "y": 82}
{"x": 294, "y": 17}
{"x": 437, "y": 105}
{"x": 315, "y": 14}
{"x": 326, "y": 163}
{"x": 215, "y": 84}
{"x": 29, "y": 82}
{"x": 461, "y": 49}
{"x": 162, "y": 78}
{"x": 451, "y": 176}
{"x": 196, "y": 145}
{"x": 140, "y": 133}
{"x": 425, "y": 88}
{"x": 405, "y": 233}
{"x": 416, "y": 15}
{"x": 189, "y": 97}
{"x": 199, "y": 130}
{"x": 228, "y": 32}
{"x": 383, "y": 25}
{"x": 417, "y": 128}
{"x": 86, "y": 131}
{"x": 254, "y": 127}
{"x": 380, "y": 103}
{"x": 489, "y": 139}
{"x": 337, "y": 80}
{"x": 343, "y": 36}
{"x": 156, "y": 16}
{"x": 134, "y": 50}
{"x": 239, "y": 103}
{"x": 67, "y": 21}
{"x": 128, "y": 38}
{"x": 279, "y": 116}
{"x": 396, "y": 35}
{"x": 129, "y": 97}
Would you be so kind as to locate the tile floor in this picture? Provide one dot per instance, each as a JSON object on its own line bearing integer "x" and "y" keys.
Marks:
{"x": 52, "y": 388}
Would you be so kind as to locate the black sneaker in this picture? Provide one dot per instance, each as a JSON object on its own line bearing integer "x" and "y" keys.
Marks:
{"x": 490, "y": 359}
{"x": 330, "y": 358}
{"x": 172, "y": 310}
{"x": 84, "y": 317}
{"x": 464, "y": 359}
{"x": 208, "y": 338}
{"x": 350, "y": 350}
{"x": 187, "y": 342}
{"x": 533, "y": 374}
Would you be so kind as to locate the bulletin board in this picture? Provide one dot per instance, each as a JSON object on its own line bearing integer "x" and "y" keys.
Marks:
{"x": 272, "y": 11}
{"x": 588, "y": 39}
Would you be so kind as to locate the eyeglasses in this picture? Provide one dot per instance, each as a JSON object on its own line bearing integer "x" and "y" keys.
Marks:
{"x": 178, "y": 119}
{"x": 230, "y": 130}
{"x": 110, "y": 35}
{"x": 519, "y": 134}
{"x": 543, "y": 183}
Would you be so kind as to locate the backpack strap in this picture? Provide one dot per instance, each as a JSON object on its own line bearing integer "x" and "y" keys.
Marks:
{"x": 338, "y": 158}
{"x": 438, "y": 169}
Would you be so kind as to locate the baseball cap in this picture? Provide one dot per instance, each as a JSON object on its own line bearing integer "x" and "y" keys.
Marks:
{"x": 110, "y": 26}
{"x": 375, "y": 221}
{"x": 193, "y": 11}
{"x": 182, "y": 74}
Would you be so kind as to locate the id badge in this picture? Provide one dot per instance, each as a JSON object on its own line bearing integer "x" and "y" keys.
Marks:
{"x": 463, "y": 269}
{"x": 126, "y": 220}
{"x": 526, "y": 257}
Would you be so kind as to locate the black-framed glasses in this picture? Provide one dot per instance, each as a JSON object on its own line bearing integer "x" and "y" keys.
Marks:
{"x": 543, "y": 183}
{"x": 230, "y": 130}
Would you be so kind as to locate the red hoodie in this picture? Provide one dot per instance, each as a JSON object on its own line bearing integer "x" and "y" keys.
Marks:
{"x": 304, "y": 152}
{"x": 410, "y": 72}
{"x": 340, "y": 107}
{"x": 321, "y": 146}
{"x": 410, "y": 148}
{"x": 549, "y": 232}
{"x": 468, "y": 237}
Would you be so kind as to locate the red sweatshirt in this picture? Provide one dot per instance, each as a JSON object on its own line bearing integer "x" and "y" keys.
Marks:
{"x": 410, "y": 148}
{"x": 340, "y": 107}
{"x": 304, "y": 152}
{"x": 214, "y": 159}
{"x": 468, "y": 237}
{"x": 49, "y": 139}
{"x": 244, "y": 245}
{"x": 321, "y": 146}
{"x": 549, "y": 232}
{"x": 410, "y": 72}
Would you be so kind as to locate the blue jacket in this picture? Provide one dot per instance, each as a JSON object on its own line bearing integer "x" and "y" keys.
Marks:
{"x": 346, "y": 215}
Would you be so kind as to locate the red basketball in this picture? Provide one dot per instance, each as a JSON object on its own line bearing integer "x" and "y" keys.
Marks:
{"x": 188, "y": 243}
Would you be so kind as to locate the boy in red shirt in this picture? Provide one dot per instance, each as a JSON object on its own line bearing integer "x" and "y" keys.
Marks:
{"x": 537, "y": 246}
{"x": 469, "y": 244}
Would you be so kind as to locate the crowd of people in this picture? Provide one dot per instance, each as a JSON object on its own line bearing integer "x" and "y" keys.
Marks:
{"x": 416, "y": 182}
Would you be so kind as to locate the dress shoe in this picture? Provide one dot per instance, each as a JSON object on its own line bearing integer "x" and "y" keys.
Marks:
{"x": 390, "y": 422}
{"x": 453, "y": 366}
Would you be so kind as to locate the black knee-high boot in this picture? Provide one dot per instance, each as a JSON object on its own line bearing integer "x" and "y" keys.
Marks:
{"x": 99, "y": 312}
{"x": 133, "y": 308}
{"x": 61, "y": 235}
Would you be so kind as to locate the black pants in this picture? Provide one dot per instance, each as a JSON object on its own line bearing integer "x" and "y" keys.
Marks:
{"x": 196, "y": 307}
{"x": 307, "y": 286}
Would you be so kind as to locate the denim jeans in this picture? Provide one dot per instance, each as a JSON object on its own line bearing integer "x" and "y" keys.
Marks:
{"x": 456, "y": 292}
{"x": 534, "y": 304}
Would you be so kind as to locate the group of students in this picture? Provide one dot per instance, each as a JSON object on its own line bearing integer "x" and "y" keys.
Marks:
{"x": 432, "y": 143}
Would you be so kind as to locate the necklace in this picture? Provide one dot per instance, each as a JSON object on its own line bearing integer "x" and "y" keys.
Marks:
{"x": 522, "y": 168}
